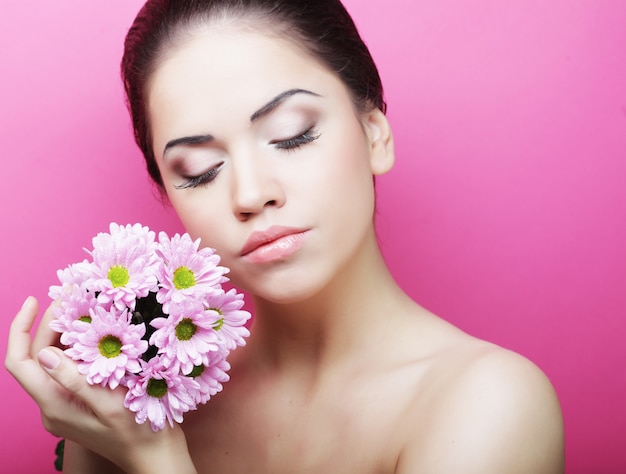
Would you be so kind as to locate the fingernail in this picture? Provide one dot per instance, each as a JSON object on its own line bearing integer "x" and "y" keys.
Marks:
{"x": 48, "y": 359}
{"x": 26, "y": 302}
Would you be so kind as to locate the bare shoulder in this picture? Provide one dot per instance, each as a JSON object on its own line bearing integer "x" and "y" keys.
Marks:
{"x": 486, "y": 410}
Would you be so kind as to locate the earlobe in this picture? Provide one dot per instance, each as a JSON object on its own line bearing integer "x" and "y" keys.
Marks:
{"x": 382, "y": 153}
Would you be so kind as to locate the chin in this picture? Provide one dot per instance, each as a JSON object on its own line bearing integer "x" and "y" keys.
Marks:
{"x": 294, "y": 291}
{"x": 284, "y": 297}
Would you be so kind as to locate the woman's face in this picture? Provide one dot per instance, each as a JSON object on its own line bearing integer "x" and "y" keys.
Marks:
{"x": 265, "y": 159}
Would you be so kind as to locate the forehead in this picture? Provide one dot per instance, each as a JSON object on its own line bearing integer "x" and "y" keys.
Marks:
{"x": 224, "y": 71}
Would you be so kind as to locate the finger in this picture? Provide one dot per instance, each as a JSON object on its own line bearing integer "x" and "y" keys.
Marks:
{"x": 63, "y": 370}
{"x": 18, "y": 360}
{"x": 45, "y": 336}
{"x": 89, "y": 407}
{"x": 18, "y": 347}
{"x": 53, "y": 381}
{"x": 63, "y": 413}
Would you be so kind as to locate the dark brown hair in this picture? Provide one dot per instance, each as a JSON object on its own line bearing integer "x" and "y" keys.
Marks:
{"x": 322, "y": 27}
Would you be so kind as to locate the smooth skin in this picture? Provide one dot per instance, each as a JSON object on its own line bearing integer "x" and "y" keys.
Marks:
{"x": 343, "y": 372}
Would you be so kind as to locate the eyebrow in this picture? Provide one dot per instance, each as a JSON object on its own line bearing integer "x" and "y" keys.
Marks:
{"x": 276, "y": 101}
{"x": 192, "y": 140}
{"x": 266, "y": 109}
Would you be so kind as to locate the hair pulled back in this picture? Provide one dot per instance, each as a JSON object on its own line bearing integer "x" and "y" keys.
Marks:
{"x": 322, "y": 27}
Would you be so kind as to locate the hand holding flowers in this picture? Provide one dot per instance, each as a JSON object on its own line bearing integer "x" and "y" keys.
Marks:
{"x": 151, "y": 316}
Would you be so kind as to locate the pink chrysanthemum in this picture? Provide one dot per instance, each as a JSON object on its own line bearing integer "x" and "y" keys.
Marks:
{"x": 229, "y": 318}
{"x": 187, "y": 336}
{"x": 125, "y": 265}
{"x": 160, "y": 394}
{"x": 169, "y": 292}
{"x": 109, "y": 348}
{"x": 74, "y": 274}
{"x": 187, "y": 272}
{"x": 210, "y": 377}
{"x": 73, "y": 313}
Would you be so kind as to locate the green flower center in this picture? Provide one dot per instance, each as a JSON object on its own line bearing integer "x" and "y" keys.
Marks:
{"x": 197, "y": 371}
{"x": 85, "y": 319}
{"x": 110, "y": 346}
{"x": 185, "y": 329}
{"x": 220, "y": 322}
{"x": 156, "y": 388}
{"x": 184, "y": 278}
{"x": 118, "y": 275}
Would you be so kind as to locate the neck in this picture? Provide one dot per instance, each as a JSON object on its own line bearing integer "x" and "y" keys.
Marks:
{"x": 350, "y": 314}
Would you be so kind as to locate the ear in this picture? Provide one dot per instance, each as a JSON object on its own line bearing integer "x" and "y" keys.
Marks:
{"x": 378, "y": 130}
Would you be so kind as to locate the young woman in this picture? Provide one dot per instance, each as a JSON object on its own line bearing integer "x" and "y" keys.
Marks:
{"x": 263, "y": 122}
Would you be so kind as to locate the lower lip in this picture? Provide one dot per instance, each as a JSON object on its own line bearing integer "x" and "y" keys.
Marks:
{"x": 278, "y": 249}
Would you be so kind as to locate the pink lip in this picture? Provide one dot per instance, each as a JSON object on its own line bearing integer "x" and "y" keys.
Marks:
{"x": 275, "y": 243}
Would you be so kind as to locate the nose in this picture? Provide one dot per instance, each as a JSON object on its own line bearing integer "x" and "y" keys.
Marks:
{"x": 255, "y": 187}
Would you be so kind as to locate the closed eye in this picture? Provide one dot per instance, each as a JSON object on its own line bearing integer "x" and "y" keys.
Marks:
{"x": 203, "y": 179}
{"x": 295, "y": 142}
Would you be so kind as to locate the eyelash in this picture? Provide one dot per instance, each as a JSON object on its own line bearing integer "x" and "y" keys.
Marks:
{"x": 289, "y": 144}
{"x": 202, "y": 180}
{"x": 296, "y": 142}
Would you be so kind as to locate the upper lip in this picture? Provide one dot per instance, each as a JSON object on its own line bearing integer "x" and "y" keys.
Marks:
{"x": 260, "y": 238}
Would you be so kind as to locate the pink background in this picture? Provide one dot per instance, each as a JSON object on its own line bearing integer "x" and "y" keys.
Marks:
{"x": 505, "y": 213}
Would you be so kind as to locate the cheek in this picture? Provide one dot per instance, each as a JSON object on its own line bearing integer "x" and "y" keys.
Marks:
{"x": 346, "y": 171}
{"x": 197, "y": 209}
{"x": 352, "y": 193}
{"x": 198, "y": 217}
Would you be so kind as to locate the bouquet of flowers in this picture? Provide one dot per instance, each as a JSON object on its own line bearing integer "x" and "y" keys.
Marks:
{"x": 151, "y": 316}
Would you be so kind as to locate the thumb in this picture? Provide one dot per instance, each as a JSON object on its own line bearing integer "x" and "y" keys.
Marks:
{"x": 62, "y": 369}
{"x": 48, "y": 359}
